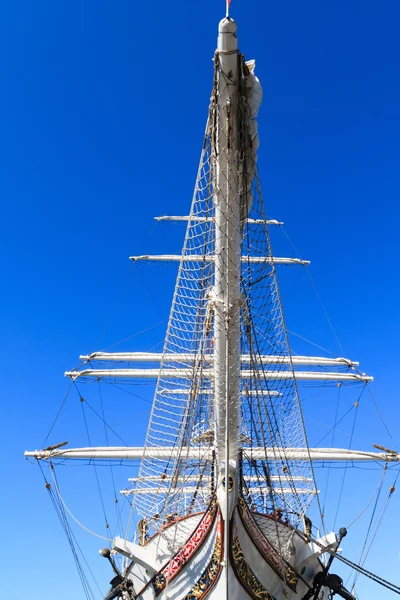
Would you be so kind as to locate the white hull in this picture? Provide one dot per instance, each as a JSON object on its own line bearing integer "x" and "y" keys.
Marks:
{"x": 256, "y": 569}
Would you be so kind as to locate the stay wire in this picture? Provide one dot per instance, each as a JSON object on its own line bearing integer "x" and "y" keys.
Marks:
{"x": 151, "y": 295}
{"x": 117, "y": 509}
{"x": 350, "y": 443}
{"x": 71, "y": 514}
{"x": 332, "y": 445}
{"x": 368, "y": 503}
{"x": 106, "y": 425}
{"x": 380, "y": 580}
{"x": 82, "y": 401}
{"x": 316, "y": 292}
{"x": 134, "y": 335}
{"x": 380, "y": 520}
{"x": 58, "y": 414}
{"x": 360, "y": 560}
{"x": 77, "y": 544}
{"x": 114, "y": 306}
{"x": 335, "y": 425}
{"x": 381, "y": 417}
{"x": 58, "y": 508}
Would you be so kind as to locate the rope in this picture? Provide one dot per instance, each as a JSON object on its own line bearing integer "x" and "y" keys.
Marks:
{"x": 60, "y": 512}
{"x": 345, "y": 471}
{"x": 381, "y": 416}
{"x": 332, "y": 445}
{"x": 316, "y": 293}
{"x": 57, "y": 415}
{"x": 380, "y": 580}
{"x": 370, "y": 500}
{"x": 94, "y": 464}
{"x": 52, "y": 472}
{"x": 117, "y": 509}
{"x": 380, "y": 519}
{"x": 116, "y": 302}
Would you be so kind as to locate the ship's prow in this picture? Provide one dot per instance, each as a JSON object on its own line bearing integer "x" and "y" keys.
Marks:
{"x": 267, "y": 559}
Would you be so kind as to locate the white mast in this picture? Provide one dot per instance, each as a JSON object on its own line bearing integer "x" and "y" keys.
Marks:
{"x": 226, "y": 293}
{"x": 227, "y": 248}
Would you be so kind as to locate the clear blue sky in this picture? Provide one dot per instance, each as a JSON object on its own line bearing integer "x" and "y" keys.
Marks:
{"x": 103, "y": 109}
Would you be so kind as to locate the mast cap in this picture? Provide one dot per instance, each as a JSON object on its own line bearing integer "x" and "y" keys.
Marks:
{"x": 227, "y": 25}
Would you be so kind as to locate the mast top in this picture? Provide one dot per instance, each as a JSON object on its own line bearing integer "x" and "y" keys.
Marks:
{"x": 227, "y": 40}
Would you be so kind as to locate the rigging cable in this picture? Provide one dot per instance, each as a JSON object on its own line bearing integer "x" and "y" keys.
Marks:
{"x": 116, "y": 302}
{"x": 292, "y": 368}
{"x": 360, "y": 569}
{"x": 58, "y": 414}
{"x": 316, "y": 293}
{"x": 310, "y": 342}
{"x": 332, "y": 445}
{"x": 381, "y": 416}
{"x": 82, "y": 401}
{"x": 334, "y": 425}
{"x": 369, "y": 501}
{"x": 350, "y": 443}
{"x": 106, "y": 425}
{"x": 372, "y": 515}
{"x": 52, "y": 471}
{"x": 380, "y": 519}
{"x": 133, "y": 335}
{"x": 151, "y": 295}
{"x": 117, "y": 509}
{"x": 60, "y": 512}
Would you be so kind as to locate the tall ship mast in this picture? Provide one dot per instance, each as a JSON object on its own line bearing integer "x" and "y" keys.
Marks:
{"x": 226, "y": 474}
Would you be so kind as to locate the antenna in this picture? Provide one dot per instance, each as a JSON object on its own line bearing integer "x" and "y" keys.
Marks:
{"x": 228, "y": 3}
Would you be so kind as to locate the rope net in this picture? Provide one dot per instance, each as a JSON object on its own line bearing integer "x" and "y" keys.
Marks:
{"x": 190, "y": 397}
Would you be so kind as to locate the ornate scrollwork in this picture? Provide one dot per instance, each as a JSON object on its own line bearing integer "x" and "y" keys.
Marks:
{"x": 244, "y": 573}
{"x": 291, "y": 578}
{"x": 181, "y": 558}
{"x": 285, "y": 572}
{"x": 211, "y": 573}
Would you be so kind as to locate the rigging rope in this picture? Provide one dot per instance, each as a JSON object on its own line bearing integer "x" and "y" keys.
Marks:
{"x": 57, "y": 415}
{"x": 345, "y": 471}
{"x": 379, "y": 523}
{"x": 380, "y": 580}
{"x": 369, "y": 501}
{"x": 52, "y": 472}
{"x": 116, "y": 502}
{"x": 316, "y": 292}
{"x": 82, "y": 401}
{"x": 116, "y": 302}
{"x": 381, "y": 416}
{"x": 332, "y": 445}
{"x": 60, "y": 512}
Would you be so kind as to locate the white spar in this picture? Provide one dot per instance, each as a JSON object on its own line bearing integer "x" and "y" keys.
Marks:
{"x": 211, "y": 258}
{"x": 154, "y": 357}
{"x": 247, "y": 478}
{"x": 182, "y": 373}
{"x": 201, "y": 453}
{"x": 196, "y": 219}
{"x": 180, "y": 489}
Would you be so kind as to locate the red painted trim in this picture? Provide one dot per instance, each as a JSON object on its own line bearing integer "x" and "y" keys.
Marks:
{"x": 274, "y": 557}
{"x": 182, "y": 556}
